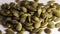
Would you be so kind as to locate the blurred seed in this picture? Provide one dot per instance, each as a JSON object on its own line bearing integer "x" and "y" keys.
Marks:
{"x": 5, "y": 6}
{"x": 0, "y": 32}
{"x": 37, "y": 25}
{"x": 40, "y": 31}
{"x": 57, "y": 25}
{"x": 57, "y": 12}
{"x": 24, "y": 9}
{"x": 19, "y": 27}
{"x": 47, "y": 30}
{"x": 36, "y": 19}
{"x": 16, "y": 13}
{"x": 9, "y": 31}
{"x": 39, "y": 12}
{"x": 51, "y": 25}
{"x": 30, "y": 28}
{"x": 12, "y": 5}
{"x": 29, "y": 24}
{"x": 21, "y": 32}
{"x": 57, "y": 19}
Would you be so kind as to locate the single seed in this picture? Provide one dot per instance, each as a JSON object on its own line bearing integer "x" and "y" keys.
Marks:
{"x": 19, "y": 27}
{"x": 47, "y": 30}
{"x": 57, "y": 25}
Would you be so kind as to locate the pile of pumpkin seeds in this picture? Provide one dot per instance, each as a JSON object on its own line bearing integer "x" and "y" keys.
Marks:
{"x": 29, "y": 16}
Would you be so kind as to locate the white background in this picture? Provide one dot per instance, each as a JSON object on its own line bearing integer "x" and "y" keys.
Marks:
{"x": 54, "y": 31}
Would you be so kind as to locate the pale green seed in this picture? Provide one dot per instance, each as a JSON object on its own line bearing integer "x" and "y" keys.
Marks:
{"x": 57, "y": 25}
{"x": 37, "y": 25}
{"x": 16, "y": 13}
{"x": 24, "y": 9}
{"x": 51, "y": 25}
{"x": 21, "y": 32}
{"x": 47, "y": 31}
{"x": 19, "y": 27}
{"x": 9, "y": 31}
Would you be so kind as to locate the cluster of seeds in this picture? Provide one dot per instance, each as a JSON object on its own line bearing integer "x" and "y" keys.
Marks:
{"x": 29, "y": 16}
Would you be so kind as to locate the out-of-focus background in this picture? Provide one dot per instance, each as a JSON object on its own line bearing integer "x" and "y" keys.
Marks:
{"x": 54, "y": 31}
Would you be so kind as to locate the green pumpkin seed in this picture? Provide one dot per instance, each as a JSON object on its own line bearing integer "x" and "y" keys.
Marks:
{"x": 57, "y": 25}
{"x": 9, "y": 31}
{"x": 19, "y": 27}
{"x": 47, "y": 30}
{"x": 51, "y": 25}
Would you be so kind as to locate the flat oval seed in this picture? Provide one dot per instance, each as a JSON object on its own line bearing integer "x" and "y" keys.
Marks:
{"x": 21, "y": 32}
{"x": 37, "y": 25}
{"x": 51, "y": 25}
{"x": 29, "y": 28}
{"x": 16, "y": 13}
{"x": 9, "y": 31}
{"x": 19, "y": 27}
{"x": 24, "y": 9}
{"x": 57, "y": 25}
{"x": 47, "y": 30}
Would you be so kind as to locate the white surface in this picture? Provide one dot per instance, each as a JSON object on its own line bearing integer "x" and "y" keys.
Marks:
{"x": 54, "y": 31}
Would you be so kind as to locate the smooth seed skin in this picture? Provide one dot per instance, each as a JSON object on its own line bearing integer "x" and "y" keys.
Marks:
{"x": 37, "y": 25}
{"x": 19, "y": 27}
{"x": 47, "y": 31}
{"x": 31, "y": 16}
{"x": 57, "y": 25}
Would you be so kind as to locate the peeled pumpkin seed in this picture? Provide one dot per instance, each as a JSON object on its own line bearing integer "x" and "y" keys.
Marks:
{"x": 39, "y": 12}
{"x": 19, "y": 27}
{"x": 16, "y": 13}
{"x": 57, "y": 25}
{"x": 37, "y": 25}
{"x": 30, "y": 16}
{"x": 21, "y": 32}
{"x": 57, "y": 19}
{"x": 47, "y": 30}
{"x": 29, "y": 24}
{"x": 24, "y": 9}
{"x": 9, "y": 31}
{"x": 30, "y": 28}
{"x": 40, "y": 31}
{"x": 44, "y": 24}
{"x": 36, "y": 19}
{"x": 57, "y": 13}
{"x": 51, "y": 25}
